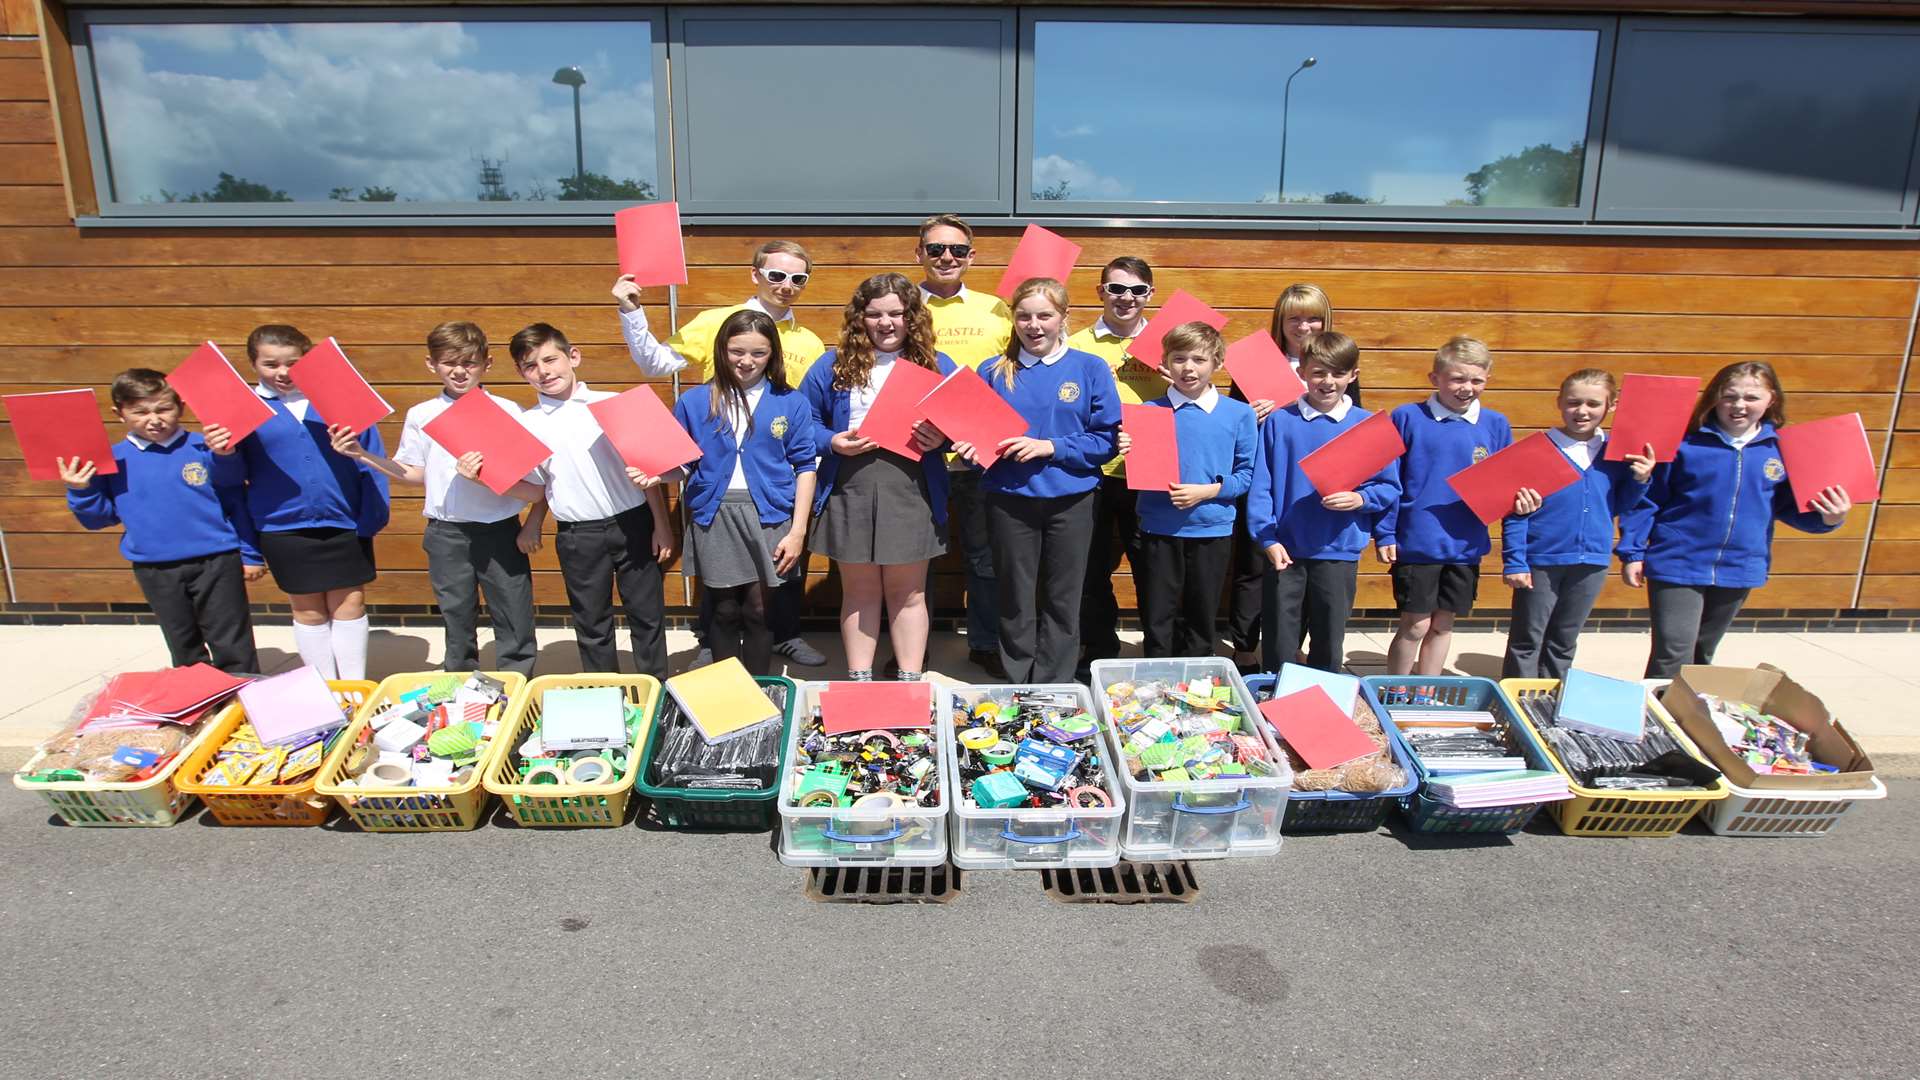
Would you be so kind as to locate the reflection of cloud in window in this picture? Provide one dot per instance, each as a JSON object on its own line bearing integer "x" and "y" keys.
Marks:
{"x": 1077, "y": 131}
{"x": 1416, "y": 188}
{"x": 1082, "y": 181}
{"x": 401, "y": 106}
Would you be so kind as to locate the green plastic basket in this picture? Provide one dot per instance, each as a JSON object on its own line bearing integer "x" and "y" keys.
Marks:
{"x": 742, "y": 809}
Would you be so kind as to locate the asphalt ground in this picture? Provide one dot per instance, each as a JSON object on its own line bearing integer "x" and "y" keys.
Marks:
{"x": 204, "y": 951}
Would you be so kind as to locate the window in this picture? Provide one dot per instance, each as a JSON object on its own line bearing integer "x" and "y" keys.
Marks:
{"x": 388, "y": 112}
{"x": 1196, "y": 115}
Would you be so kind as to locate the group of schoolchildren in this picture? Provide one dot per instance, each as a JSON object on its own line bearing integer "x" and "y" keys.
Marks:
{"x": 784, "y": 470}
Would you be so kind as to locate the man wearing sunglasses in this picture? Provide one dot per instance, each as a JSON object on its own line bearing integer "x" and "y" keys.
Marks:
{"x": 780, "y": 272}
{"x": 970, "y": 328}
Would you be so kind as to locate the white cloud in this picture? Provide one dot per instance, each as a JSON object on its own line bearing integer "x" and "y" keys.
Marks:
{"x": 1077, "y": 131}
{"x": 1081, "y": 179}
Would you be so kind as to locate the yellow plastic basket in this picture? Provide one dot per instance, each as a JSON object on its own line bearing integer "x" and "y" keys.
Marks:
{"x": 406, "y": 809}
{"x": 295, "y": 804}
{"x": 1593, "y": 812}
{"x": 156, "y": 802}
{"x": 591, "y": 805}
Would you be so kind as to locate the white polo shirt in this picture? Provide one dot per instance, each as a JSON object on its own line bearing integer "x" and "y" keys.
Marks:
{"x": 585, "y": 478}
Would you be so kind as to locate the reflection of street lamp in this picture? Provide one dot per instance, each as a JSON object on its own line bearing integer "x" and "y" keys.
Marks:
{"x": 570, "y": 76}
{"x": 1286, "y": 102}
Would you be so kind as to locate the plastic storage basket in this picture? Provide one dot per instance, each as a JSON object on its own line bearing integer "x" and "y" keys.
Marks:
{"x": 295, "y": 804}
{"x": 833, "y": 836}
{"x": 1196, "y": 819}
{"x": 403, "y": 809}
{"x": 1344, "y": 811}
{"x": 154, "y": 802}
{"x": 589, "y": 805}
{"x": 1024, "y": 838}
{"x": 1594, "y": 812}
{"x": 749, "y": 810}
{"x": 1756, "y": 812}
{"x": 1441, "y": 692}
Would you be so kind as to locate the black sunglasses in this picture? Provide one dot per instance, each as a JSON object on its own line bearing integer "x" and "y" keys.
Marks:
{"x": 1114, "y": 288}
{"x": 934, "y": 251}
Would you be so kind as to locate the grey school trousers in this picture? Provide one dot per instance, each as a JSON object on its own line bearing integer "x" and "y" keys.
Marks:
{"x": 466, "y": 559}
{"x": 1688, "y": 623}
{"x": 1547, "y": 619}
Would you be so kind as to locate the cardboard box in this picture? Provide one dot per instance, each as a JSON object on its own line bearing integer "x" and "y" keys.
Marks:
{"x": 1768, "y": 689}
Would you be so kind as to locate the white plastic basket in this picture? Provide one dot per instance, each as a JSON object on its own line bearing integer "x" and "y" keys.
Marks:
{"x": 1195, "y": 819}
{"x": 1758, "y": 812}
{"x": 847, "y": 837}
{"x": 1025, "y": 838}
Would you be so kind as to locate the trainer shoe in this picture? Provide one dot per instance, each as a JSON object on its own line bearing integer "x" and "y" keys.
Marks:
{"x": 988, "y": 660}
{"x": 798, "y": 651}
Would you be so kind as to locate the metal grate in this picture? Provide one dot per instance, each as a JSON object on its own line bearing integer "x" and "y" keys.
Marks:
{"x": 1127, "y": 883}
{"x": 883, "y": 884}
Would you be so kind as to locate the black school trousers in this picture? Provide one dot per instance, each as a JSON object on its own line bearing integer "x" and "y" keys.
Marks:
{"x": 201, "y": 605}
{"x": 1311, "y": 598}
{"x": 1178, "y": 580}
{"x": 1040, "y": 564}
{"x": 594, "y": 557}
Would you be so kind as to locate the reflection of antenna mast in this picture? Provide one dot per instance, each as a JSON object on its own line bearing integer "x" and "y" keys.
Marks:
{"x": 493, "y": 184}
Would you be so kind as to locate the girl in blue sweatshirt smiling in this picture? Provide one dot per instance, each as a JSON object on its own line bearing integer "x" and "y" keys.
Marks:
{"x": 1701, "y": 538}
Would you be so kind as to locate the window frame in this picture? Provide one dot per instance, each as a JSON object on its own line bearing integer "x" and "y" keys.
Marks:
{"x": 113, "y": 211}
{"x": 1601, "y": 25}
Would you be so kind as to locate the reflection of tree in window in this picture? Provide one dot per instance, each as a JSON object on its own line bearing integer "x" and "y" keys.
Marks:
{"x": 367, "y": 194}
{"x": 1537, "y": 176}
{"x": 1057, "y": 192}
{"x": 229, "y": 188}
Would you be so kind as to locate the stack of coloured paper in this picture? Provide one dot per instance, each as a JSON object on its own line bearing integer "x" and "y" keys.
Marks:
{"x": 1473, "y": 791}
{"x": 146, "y": 699}
{"x": 291, "y": 709}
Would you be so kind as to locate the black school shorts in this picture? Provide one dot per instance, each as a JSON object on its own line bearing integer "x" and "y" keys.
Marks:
{"x": 1423, "y": 588}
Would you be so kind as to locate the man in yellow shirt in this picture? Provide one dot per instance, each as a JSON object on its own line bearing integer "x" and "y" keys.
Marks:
{"x": 780, "y": 272}
{"x": 971, "y": 328}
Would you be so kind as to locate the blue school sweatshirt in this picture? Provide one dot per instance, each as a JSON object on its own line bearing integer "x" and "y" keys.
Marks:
{"x": 833, "y": 413}
{"x": 166, "y": 499}
{"x": 781, "y": 444}
{"x": 1283, "y": 507}
{"x": 1215, "y": 447}
{"x": 1428, "y": 521}
{"x": 1574, "y": 526}
{"x": 1071, "y": 402}
{"x": 1707, "y": 517}
{"x": 295, "y": 480}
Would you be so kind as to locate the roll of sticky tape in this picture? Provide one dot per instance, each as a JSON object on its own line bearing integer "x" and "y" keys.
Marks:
{"x": 879, "y": 800}
{"x": 819, "y": 798}
{"x": 390, "y": 774}
{"x": 1000, "y": 753}
{"x": 591, "y": 770}
{"x": 979, "y": 738}
{"x": 545, "y": 774}
{"x": 891, "y": 739}
{"x": 1089, "y": 796}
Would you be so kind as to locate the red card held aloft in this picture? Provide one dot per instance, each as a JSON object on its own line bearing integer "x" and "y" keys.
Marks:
{"x": 1833, "y": 452}
{"x": 648, "y": 238}
{"x": 1262, "y": 371}
{"x": 1653, "y": 409}
{"x": 875, "y": 706}
{"x": 477, "y": 422}
{"x": 1315, "y": 728}
{"x": 337, "y": 389}
{"x": 217, "y": 394}
{"x": 1042, "y": 253}
{"x": 1352, "y": 459}
{"x": 966, "y": 409}
{"x": 60, "y": 424}
{"x": 1153, "y": 461}
{"x": 643, "y": 430}
{"x": 1182, "y": 307}
{"x": 1488, "y": 488}
{"x": 896, "y": 408}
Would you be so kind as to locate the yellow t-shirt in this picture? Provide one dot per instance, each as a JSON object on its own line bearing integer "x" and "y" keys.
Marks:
{"x": 799, "y": 346}
{"x": 970, "y": 327}
{"x": 1138, "y": 384}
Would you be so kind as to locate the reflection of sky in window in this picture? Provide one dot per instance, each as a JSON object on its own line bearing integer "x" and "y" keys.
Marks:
{"x": 1190, "y": 112}
{"x": 309, "y": 107}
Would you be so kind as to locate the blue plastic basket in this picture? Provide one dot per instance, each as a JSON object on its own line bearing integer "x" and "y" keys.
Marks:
{"x": 1343, "y": 811}
{"x": 1466, "y": 694}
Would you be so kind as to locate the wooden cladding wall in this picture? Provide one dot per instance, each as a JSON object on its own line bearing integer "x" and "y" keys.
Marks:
{"x": 75, "y": 308}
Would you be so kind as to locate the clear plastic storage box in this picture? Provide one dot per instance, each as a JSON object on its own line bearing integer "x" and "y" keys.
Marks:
{"x": 843, "y": 836}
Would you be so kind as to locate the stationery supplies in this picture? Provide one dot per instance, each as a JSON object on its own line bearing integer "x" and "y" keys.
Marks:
{"x": 649, "y": 244}
{"x": 884, "y": 706}
{"x": 1830, "y": 452}
{"x": 477, "y": 422}
{"x": 692, "y": 783}
{"x": 337, "y": 390}
{"x": 1598, "y": 705}
{"x": 291, "y": 709}
{"x": 1260, "y": 369}
{"x": 217, "y": 394}
{"x": 583, "y": 719}
{"x": 1180, "y": 308}
{"x": 966, "y": 409}
{"x": 643, "y": 430}
{"x": 1655, "y": 762}
{"x": 1041, "y": 253}
{"x": 1652, "y": 409}
{"x": 1463, "y": 733}
{"x": 287, "y": 799}
{"x": 896, "y": 408}
{"x": 1490, "y": 487}
{"x": 573, "y": 749}
{"x": 1153, "y": 460}
{"x": 867, "y": 798}
{"x": 60, "y": 424}
{"x": 1322, "y": 733}
{"x": 1353, "y": 457}
{"x": 722, "y": 700}
{"x": 1057, "y": 760}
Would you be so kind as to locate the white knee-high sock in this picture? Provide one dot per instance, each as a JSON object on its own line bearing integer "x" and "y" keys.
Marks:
{"x": 350, "y": 647}
{"x": 315, "y": 644}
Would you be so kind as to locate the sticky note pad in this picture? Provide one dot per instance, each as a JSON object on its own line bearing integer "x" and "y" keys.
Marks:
{"x": 1315, "y": 728}
{"x": 722, "y": 699}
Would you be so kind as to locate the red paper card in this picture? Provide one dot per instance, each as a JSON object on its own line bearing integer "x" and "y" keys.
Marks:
{"x": 875, "y": 706}
{"x": 60, "y": 423}
{"x": 477, "y": 422}
{"x": 648, "y": 238}
{"x": 966, "y": 409}
{"x": 1820, "y": 454}
{"x": 217, "y": 394}
{"x": 337, "y": 389}
{"x": 1153, "y": 462}
{"x": 1261, "y": 371}
{"x": 1042, "y": 253}
{"x": 896, "y": 408}
{"x": 1352, "y": 459}
{"x": 1182, "y": 307}
{"x": 1534, "y": 462}
{"x": 1315, "y": 728}
{"x": 1653, "y": 409}
{"x": 643, "y": 430}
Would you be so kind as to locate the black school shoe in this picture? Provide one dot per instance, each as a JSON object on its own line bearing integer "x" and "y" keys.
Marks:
{"x": 988, "y": 660}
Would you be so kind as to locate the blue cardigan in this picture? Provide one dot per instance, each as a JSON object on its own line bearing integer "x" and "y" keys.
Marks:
{"x": 1574, "y": 526}
{"x": 833, "y": 413}
{"x": 780, "y": 445}
{"x": 294, "y": 480}
{"x": 166, "y": 498}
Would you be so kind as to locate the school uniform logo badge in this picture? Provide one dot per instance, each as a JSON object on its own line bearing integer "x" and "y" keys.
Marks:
{"x": 778, "y": 427}
{"x": 194, "y": 473}
{"x": 1774, "y": 470}
{"x": 1479, "y": 454}
{"x": 1069, "y": 391}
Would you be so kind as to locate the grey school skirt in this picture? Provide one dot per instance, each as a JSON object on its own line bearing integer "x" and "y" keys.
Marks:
{"x": 879, "y": 512}
{"x": 736, "y": 549}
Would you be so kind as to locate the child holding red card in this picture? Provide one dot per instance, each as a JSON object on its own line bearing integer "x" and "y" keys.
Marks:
{"x": 881, "y": 516}
{"x": 1701, "y": 538}
{"x": 1312, "y": 542}
{"x": 310, "y": 512}
{"x": 1186, "y": 532}
{"x": 179, "y": 530}
{"x": 1555, "y": 559}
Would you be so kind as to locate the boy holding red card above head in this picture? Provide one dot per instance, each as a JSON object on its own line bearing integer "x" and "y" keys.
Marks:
{"x": 1429, "y": 536}
{"x": 1312, "y": 541}
{"x": 1186, "y": 531}
{"x": 180, "y": 535}
{"x": 474, "y": 539}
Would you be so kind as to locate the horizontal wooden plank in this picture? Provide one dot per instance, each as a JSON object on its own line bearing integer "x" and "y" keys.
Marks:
{"x": 1894, "y": 557}
{"x": 22, "y": 79}
{"x": 1890, "y": 591}
{"x": 31, "y": 164}
{"x": 1895, "y": 523}
{"x": 22, "y": 17}
{"x": 37, "y": 204}
{"x": 1901, "y": 486}
{"x": 391, "y": 587}
{"x": 1909, "y": 413}
{"x": 25, "y": 122}
{"x": 1906, "y": 452}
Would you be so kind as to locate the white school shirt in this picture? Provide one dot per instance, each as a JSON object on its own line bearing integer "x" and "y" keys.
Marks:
{"x": 1582, "y": 453}
{"x": 860, "y": 400}
{"x": 1028, "y": 359}
{"x": 450, "y": 496}
{"x": 585, "y": 478}
{"x": 740, "y": 419}
{"x": 1337, "y": 413}
{"x": 652, "y": 356}
{"x": 1441, "y": 413}
{"x": 295, "y": 401}
{"x": 1207, "y": 400}
{"x": 148, "y": 444}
